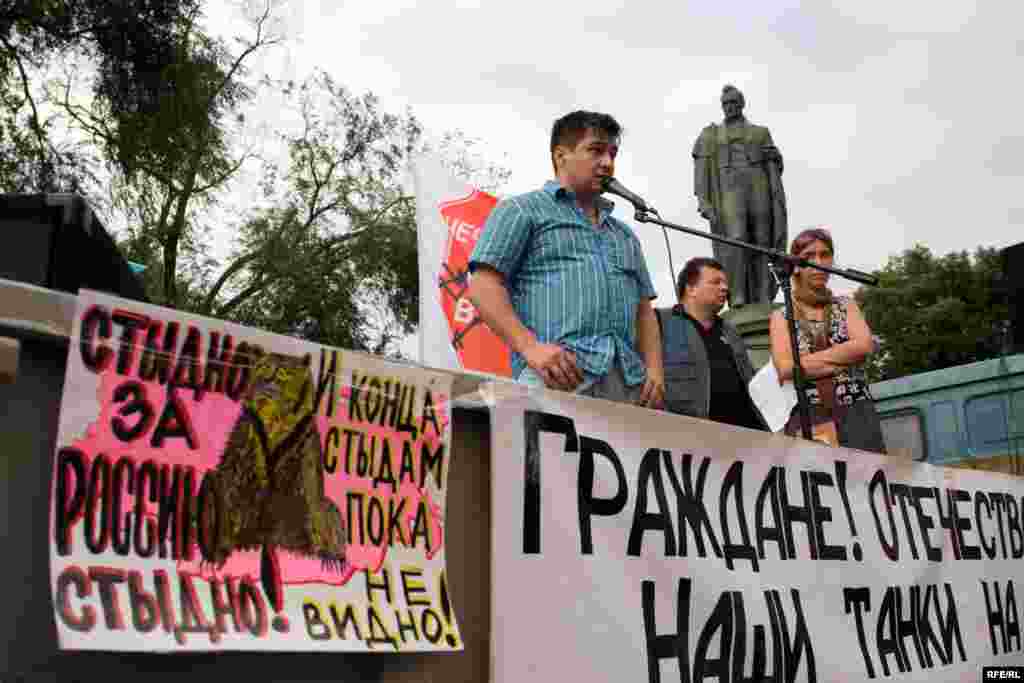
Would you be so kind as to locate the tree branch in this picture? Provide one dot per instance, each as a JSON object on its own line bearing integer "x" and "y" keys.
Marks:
{"x": 165, "y": 211}
{"x": 98, "y": 128}
{"x": 223, "y": 177}
{"x": 237, "y": 64}
{"x": 261, "y": 282}
{"x": 390, "y": 205}
{"x": 37, "y": 128}
{"x": 263, "y": 279}
{"x": 229, "y": 272}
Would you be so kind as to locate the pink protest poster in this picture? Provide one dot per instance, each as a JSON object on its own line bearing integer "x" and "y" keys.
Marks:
{"x": 217, "y": 487}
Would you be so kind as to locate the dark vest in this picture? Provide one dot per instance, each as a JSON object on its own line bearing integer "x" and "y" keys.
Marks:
{"x": 687, "y": 370}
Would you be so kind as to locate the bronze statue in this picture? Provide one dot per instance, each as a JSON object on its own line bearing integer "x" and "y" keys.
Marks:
{"x": 737, "y": 177}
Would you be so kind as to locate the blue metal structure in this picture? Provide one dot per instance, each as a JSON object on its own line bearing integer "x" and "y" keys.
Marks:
{"x": 965, "y": 416}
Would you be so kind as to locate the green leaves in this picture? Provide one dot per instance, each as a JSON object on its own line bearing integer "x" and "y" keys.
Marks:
{"x": 327, "y": 251}
{"x": 332, "y": 257}
{"x": 935, "y": 312}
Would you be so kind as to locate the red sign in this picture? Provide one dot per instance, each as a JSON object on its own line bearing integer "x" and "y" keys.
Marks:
{"x": 477, "y": 346}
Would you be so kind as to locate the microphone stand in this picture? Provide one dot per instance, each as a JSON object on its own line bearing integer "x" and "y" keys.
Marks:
{"x": 782, "y": 269}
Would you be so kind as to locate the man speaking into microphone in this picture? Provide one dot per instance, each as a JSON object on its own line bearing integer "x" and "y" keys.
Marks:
{"x": 565, "y": 284}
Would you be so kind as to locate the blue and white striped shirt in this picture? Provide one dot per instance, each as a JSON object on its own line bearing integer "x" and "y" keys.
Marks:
{"x": 570, "y": 282}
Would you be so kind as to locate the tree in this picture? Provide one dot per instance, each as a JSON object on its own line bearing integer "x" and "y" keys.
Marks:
{"x": 130, "y": 43}
{"x": 172, "y": 146}
{"x": 935, "y": 312}
{"x": 337, "y": 237}
{"x": 330, "y": 253}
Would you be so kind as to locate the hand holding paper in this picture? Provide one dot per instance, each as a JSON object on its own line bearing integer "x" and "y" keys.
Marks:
{"x": 775, "y": 402}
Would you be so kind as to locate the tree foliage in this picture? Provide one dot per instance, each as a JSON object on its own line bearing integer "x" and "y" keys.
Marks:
{"x": 133, "y": 44}
{"x": 935, "y": 312}
{"x": 172, "y": 148}
{"x": 156, "y": 112}
{"x": 338, "y": 234}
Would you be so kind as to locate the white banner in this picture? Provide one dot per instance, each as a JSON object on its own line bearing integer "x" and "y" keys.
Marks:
{"x": 217, "y": 487}
{"x": 634, "y": 545}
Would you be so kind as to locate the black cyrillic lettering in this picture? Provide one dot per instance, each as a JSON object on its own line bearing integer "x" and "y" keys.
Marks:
{"x": 534, "y": 423}
{"x": 396, "y": 528}
{"x": 650, "y": 473}
{"x": 860, "y": 600}
{"x": 188, "y": 373}
{"x": 375, "y": 521}
{"x": 145, "y": 528}
{"x": 925, "y": 522}
{"x": 433, "y": 463}
{"x": 733, "y": 483}
{"x": 98, "y": 495}
{"x": 412, "y": 587}
{"x": 174, "y": 423}
{"x": 145, "y": 613}
{"x": 409, "y": 625}
{"x": 70, "y": 496}
{"x": 224, "y": 606}
{"x": 768, "y": 498}
{"x": 822, "y": 514}
{"x": 590, "y": 505}
{"x": 130, "y": 323}
{"x": 341, "y": 625}
{"x": 107, "y": 578}
{"x": 355, "y": 411}
{"x": 358, "y": 499}
{"x": 156, "y": 362}
{"x": 431, "y": 633}
{"x": 96, "y": 357}
{"x": 217, "y": 363}
{"x": 384, "y": 584}
{"x": 391, "y": 391}
{"x": 979, "y": 500}
{"x": 86, "y": 619}
{"x": 316, "y": 628}
{"x": 379, "y": 634}
{"x": 406, "y": 420}
{"x": 374, "y": 393}
{"x": 421, "y": 527}
{"x": 121, "y": 537}
{"x": 331, "y": 442}
{"x": 889, "y": 547}
{"x": 429, "y": 414}
{"x": 385, "y": 474}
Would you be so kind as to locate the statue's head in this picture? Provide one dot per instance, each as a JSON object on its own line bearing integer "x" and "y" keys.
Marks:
{"x": 732, "y": 102}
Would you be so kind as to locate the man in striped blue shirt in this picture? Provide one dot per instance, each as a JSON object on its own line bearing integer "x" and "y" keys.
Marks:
{"x": 565, "y": 284}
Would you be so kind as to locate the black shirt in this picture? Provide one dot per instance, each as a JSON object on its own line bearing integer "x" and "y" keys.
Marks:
{"x": 730, "y": 398}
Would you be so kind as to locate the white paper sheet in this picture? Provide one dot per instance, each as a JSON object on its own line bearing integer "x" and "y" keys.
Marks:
{"x": 775, "y": 402}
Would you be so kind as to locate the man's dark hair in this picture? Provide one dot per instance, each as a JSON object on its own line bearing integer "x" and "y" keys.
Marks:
{"x": 570, "y": 129}
{"x": 690, "y": 273}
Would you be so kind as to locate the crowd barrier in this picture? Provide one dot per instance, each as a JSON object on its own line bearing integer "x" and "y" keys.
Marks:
{"x": 35, "y": 324}
{"x": 588, "y": 540}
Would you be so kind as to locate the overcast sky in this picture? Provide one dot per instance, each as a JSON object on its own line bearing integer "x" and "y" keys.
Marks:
{"x": 898, "y": 121}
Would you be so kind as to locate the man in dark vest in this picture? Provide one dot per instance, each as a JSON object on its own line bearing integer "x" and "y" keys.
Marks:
{"x": 707, "y": 369}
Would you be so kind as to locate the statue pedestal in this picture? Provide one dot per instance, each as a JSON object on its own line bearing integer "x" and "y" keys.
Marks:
{"x": 751, "y": 321}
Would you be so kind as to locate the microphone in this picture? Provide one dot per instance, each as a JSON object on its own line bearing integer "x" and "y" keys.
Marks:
{"x": 610, "y": 184}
